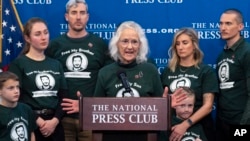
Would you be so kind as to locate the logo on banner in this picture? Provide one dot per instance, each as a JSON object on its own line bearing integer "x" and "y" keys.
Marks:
{"x": 36, "y": 2}
{"x": 114, "y": 113}
{"x": 211, "y": 30}
{"x": 154, "y": 1}
{"x": 103, "y": 30}
{"x": 161, "y": 63}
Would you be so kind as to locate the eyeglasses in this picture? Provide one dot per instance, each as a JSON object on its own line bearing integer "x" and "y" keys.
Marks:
{"x": 125, "y": 43}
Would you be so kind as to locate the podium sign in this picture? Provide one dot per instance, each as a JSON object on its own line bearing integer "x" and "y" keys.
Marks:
{"x": 152, "y": 114}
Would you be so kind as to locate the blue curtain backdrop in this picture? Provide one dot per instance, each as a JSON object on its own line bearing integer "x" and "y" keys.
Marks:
{"x": 159, "y": 18}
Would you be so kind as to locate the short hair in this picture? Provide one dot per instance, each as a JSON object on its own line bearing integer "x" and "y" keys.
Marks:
{"x": 190, "y": 92}
{"x": 144, "y": 48}
{"x": 180, "y": 80}
{"x": 239, "y": 17}
{"x": 5, "y": 76}
{"x": 72, "y": 3}
{"x": 19, "y": 126}
{"x": 42, "y": 76}
{"x": 77, "y": 56}
{"x": 224, "y": 66}
{"x": 198, "y": 54}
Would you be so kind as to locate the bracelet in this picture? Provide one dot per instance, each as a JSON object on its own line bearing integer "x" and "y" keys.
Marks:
{"x": 190, "y": 122}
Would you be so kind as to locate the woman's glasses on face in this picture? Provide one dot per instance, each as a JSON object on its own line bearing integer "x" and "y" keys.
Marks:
{"x": 126, "y": 42}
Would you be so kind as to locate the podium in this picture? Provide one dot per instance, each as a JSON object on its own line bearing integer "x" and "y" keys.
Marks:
{"x": 148, "y": 114}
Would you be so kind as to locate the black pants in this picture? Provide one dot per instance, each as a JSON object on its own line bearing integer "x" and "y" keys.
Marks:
{"x": 222, "y": 130}
{"x": 58, "y": 134}
{"x": 208, "y": 125}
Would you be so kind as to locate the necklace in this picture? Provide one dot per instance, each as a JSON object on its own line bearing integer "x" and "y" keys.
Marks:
{"x": 185, "y": 70}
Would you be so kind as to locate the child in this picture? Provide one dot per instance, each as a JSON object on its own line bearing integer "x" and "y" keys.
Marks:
{"x": 183, "y": 112}
{"x": 17, "y": 121}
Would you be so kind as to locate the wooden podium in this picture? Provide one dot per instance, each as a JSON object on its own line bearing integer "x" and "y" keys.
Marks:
{"x": 139, "y": 114}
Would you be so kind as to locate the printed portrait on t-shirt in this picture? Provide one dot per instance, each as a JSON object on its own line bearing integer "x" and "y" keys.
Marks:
{"x": 223, "y": 72}
{"x": 45, "y": 81}
{"x": 19, "y": 132}
{"x": 77, "y": 62}
{"x": 180, "y": 82}
{"x": 123, "y": 93}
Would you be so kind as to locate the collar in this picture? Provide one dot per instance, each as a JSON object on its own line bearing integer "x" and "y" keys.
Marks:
{"x": 235, "y": 45}
{"x": 130, "y": 65}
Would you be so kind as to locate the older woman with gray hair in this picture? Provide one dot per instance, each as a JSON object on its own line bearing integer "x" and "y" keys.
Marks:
{"x": 130, "y": 75}
{"x": 129, "y": 48}
{"x": 140, "y": 42}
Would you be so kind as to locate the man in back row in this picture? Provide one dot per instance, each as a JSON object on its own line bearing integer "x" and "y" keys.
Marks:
{"x": 93, "y": 52}
{"x": 233, "y": 101}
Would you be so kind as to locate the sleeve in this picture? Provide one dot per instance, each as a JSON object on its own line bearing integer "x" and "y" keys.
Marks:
{"x": 62, "y": 93}
{"x": 59, "y": 112}
{"x": 158, "y": 89}
{"x": 246, "y": 115}
{"x": 209, "y": 81}
{"x": 32, "y": 119}
{"x": 163, "y": 77}
{"x": 99, "y": 89}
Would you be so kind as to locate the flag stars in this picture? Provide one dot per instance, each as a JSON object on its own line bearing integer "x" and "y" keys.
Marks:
{"x": 7, "y": 52}
{"x": 10, "y": 36}
{"x": 10, "y": 40}
{"x": 19, "y": 44}
{"x": 13, "y": 28}
{"x": 4, "y": 24}
{"x": 7, "y": 11}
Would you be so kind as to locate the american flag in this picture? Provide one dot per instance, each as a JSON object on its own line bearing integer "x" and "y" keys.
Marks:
{"x": 11, "y": 42}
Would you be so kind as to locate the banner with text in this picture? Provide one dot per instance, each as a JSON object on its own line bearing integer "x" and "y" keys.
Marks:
{"x": 159, "y": 18}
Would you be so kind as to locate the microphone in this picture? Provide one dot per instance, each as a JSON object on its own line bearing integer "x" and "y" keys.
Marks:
{"x": 123, "y": 77}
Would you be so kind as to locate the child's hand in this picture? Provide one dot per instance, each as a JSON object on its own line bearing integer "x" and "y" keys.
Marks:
{"x": 198, "y": 139}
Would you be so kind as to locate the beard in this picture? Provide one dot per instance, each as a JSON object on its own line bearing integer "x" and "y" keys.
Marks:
{"x": 77, "y": 26}
{"x": 77, "y": 29}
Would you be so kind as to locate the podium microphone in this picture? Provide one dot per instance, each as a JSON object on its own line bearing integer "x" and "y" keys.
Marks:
{"x": 123, "y": 77}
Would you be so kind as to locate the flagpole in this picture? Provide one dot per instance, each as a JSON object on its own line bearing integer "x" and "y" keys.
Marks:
{"x": 17, "y": 15}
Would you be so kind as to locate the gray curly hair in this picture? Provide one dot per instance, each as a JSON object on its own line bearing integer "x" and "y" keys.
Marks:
{"x": 144, "y": 48}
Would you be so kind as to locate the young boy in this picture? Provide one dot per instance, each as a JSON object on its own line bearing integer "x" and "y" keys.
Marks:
{"x": 17, "y": 120}
{"x": 183, "y": 112}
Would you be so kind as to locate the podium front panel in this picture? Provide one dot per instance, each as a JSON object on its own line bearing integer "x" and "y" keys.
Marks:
{"x": 125, "y": 113}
